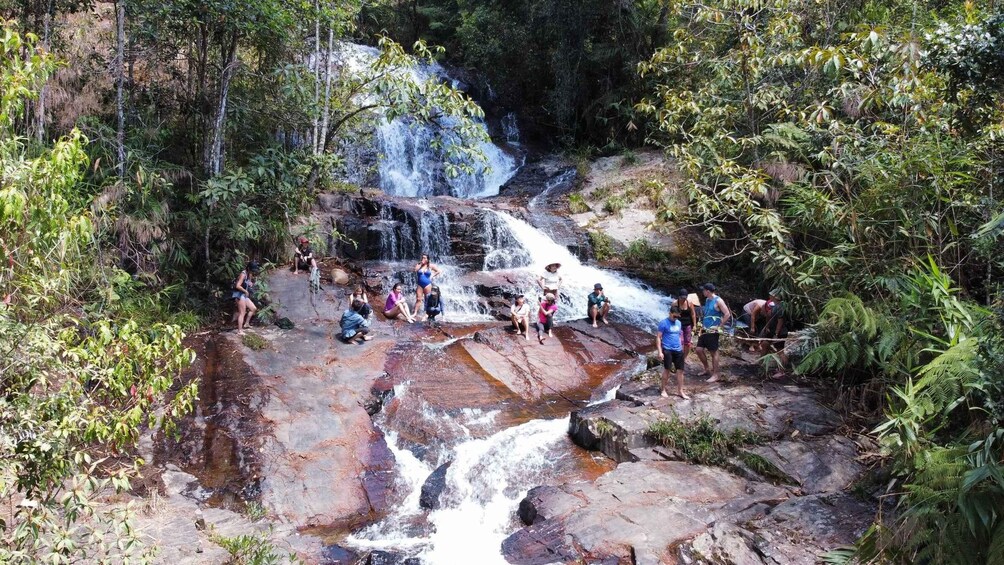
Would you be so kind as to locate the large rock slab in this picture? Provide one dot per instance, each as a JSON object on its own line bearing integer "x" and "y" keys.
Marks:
{"x": 767, "y": 409}
{"x": 797, "y": 531}
{"x": 821, "y": 465}
{"x": 636, "y": 513}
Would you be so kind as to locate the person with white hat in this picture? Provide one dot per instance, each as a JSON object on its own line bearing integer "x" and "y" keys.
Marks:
{"x": 550, "y": 282}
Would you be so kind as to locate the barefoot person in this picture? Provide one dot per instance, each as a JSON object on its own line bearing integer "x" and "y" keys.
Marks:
{"x": 545, "y": 317}
{"x": 550, "y": 283}
{"x": 424, "y": 273}
{"x": 433, "y": 304}
{"x": 303, "y": 257}
{"x": 520, "y": 316}
{"x": 715, "y": 318}
{"x": 397, "y": 306}
{"x": 359, "y": 293}
{"x": 599, "y": 304}
{"x": 355, "y": 328}
{"x": 241, "y": 295}
{"x": 688, "y": 319}
{"x": 670, "y": 347}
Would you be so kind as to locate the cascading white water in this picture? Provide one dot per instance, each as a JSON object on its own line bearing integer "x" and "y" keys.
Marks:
{"x": 484, "y": 484}
{"x": 532, "y": 250}
{"x": 410, "y": 164}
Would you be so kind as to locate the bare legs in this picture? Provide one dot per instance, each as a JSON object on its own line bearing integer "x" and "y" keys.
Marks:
{"x": 679, "y": 383}
{"x": 420, "y": 301}
{"x": 522, "y": 326}
{"x": 600, "y": 313}
{"x": 713, "y": 369}
{"x": 400, "y": 309}
{"x": 245, "y": 312}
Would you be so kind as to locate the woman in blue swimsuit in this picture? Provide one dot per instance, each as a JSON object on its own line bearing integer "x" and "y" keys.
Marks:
{"x": 424, "y": 272}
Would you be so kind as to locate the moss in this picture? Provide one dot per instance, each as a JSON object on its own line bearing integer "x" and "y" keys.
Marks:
{"x": 577, "y": 204}
{"x": 615, "y": 204}
{"x": 761, "y": 466}
{"x": 603, "y": 245}
{"x": 254, "y": 341}
{"x": 604, "y": 428}
{"x": 700, "y": 441}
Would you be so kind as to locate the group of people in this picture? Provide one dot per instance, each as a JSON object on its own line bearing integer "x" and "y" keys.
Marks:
{"x": 428, "y": 300}
{"x": 674, "y": 338}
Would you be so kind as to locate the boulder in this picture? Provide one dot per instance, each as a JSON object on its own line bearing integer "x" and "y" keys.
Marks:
{"x": 766, "y": 409}
{"x": 637, "y": 512}
{"x": 821, "y": 465}
{"x": 339, "y": 276}
{"x": 433, "y": 487}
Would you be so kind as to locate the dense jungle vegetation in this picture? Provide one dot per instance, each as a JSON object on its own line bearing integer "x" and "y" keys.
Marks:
{"x": 849, "y": 151}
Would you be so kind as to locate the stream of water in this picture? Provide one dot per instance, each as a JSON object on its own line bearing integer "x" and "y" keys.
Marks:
{"x": 491, "y": 470}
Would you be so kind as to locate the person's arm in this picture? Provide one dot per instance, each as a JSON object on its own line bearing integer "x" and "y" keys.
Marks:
{"x": 241, "y": 278}
{"x": 658, "y": 345}
{"x": 693, "y": 316}
{"x": 418, "y": 267}
{"x": 726, "y": 313}
{"x": 540, "y": 283}
{"x": 756, "y": 310}
{"x": 435, "y": 270}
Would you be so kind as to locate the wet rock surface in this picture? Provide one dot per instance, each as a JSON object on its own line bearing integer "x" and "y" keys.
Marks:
{"x": 782, "y": 501}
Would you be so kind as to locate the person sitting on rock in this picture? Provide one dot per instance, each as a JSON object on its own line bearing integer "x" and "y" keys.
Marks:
{"x": 396, "y": 306}
{"x": 241, "y": 295}
{"x": 355, "y": 328}
{"x": 715, "y": 320}
{"x": 599, "y": 304}
{"x": 303, "y": 257}
{"x": 550, "y": 282}
{"x": 520, "y": 316}
{"x": 359, "y": 293}
{"x": 433, "y": 304}
{"x": 545, "y": 317}
{"x": 670, "y": 344}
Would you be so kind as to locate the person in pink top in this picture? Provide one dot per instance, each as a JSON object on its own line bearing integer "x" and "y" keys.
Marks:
{"x": 545, "y": 317}
{"x": 397, "y": 306}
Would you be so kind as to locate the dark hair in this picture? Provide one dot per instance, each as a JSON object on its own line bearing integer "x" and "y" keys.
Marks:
{"x": 434, "y": 289}
{"x": 518, "y": 296}
{"x": 357, "y": 305}
{"x": 253, "y": 267}
{"x": 709, "y": 287}
{"x": 395, "y": 286}
{"x": 675, "y": 310}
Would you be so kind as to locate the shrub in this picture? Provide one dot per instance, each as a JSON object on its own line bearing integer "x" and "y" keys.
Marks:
{"x": 700, "y": 441}
{"x": 254, "y": 341}
{"x": 614, "y": 204}
{"x": 577, "y": 204}
{"x": 603, "y": 245}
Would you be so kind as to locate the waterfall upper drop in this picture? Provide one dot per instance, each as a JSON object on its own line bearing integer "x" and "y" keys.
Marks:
{"x": 409, "y": 162}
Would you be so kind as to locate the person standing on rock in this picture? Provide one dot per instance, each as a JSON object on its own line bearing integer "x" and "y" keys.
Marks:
{"x": 599, "y": 304}
{"x": 688, "y": 320}
{"x": 520, "y": 316}
{"x": 241, "y": 295}
{"x": 424, "y": 273}
{"x": 670, "y": 344}
{"x": 550, "y": 283}
{"x": 397, "y": 306}
{"x": 545, "y": 317}
{"x": 355, "y": 328}
{"x": 715, "y": 318}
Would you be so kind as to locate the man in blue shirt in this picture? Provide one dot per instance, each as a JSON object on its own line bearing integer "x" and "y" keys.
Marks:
{"x": 671, "y": 352}
{"x": 715, "y": 319}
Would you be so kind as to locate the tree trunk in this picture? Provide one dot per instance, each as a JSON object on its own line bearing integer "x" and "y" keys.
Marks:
{"x": 42, "y": 94}
{"x": 120, "y": 164}
{"x": 322, "y": 143}
{"x": 315, "y": 134}
{"x": 214, "y": 143}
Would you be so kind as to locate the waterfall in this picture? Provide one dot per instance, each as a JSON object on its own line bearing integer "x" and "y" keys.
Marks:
{"x": 409, "y": 162}
{"x": 524, "y": 251}
{"x": 510, "y": 128}
{"x": 485, "y": 481}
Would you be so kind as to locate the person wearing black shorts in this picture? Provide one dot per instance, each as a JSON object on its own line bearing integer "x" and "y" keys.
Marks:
{"x": 715, "y": 318}
{"x": 670, "y": 347}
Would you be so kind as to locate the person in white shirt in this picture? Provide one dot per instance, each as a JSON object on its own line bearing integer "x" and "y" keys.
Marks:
{"x": 550, "y": 282}
{"x": 521, "y": 317}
